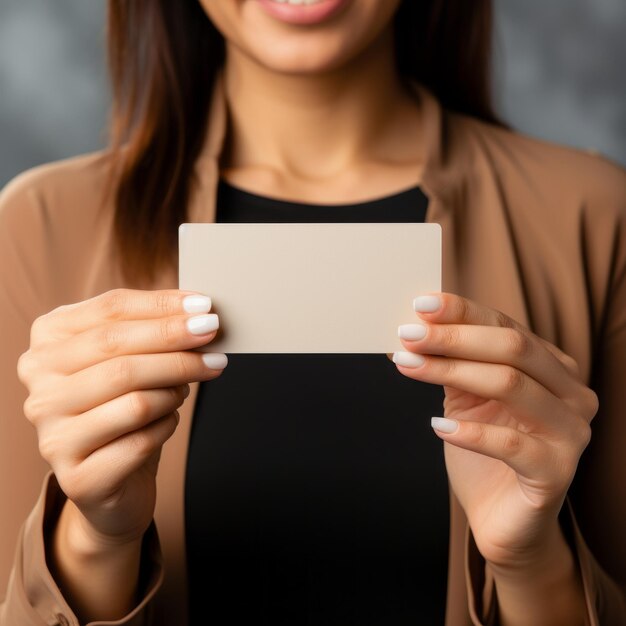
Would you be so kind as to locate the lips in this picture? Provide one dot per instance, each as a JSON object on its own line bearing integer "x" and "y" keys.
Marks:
{"x": 302, "y": 11}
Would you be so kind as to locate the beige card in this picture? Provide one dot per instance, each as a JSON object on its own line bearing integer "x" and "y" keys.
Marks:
{"x": 310, "y": 287}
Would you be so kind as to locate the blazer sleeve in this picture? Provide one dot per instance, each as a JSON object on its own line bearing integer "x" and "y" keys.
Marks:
{"x": 30, "y": 496}
{"x": 593, "y": 517}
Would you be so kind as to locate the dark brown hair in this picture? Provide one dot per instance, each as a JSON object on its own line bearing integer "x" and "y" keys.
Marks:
{"x": 163, "y": 58}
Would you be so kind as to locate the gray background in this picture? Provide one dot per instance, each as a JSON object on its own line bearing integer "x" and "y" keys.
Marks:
{"x": 559, "y": 75}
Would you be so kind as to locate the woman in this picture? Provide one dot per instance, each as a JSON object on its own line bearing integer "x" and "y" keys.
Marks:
{"x": 330, "y": 110}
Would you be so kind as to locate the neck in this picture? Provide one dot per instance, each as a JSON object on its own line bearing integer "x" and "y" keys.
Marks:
{"x": 314, "y": 126}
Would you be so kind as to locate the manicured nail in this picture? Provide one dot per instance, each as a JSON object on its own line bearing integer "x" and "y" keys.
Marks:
{"x": 408, "y": 359}
{"x": 413, "y": 332}
{"x": 443, "y": 424}
{"x": 197, "y": 304}
{"x": 426, "y": 304}
{"x": 215, "y": 360}
{"x": 203, "y": 324}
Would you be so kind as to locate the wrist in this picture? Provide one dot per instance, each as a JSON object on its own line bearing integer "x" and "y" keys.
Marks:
{"x": 542, "y": 586}
{"x": 84, "y": 541}
{"x": 98, "y": 576}
{"x": 550, "y": 557}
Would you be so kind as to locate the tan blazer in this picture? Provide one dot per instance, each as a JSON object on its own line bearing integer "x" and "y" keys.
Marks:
{"x": 535, "y": 230}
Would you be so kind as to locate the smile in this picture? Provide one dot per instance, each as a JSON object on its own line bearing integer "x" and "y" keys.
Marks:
{"x": 297, "y": 1}
{"x": 302, "y": 11}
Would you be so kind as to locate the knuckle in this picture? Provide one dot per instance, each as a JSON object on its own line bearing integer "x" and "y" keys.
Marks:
{"x": 570, "y": 363}
{"x": 25, "y": 366}
{"x": 48, "y": 448}
{"x": 71, "y": 482}
{"x": 519, "y": 344}
{"x": 169, "y": 332}
{"x": 37, "y": 328}
{"x": 583, "y": 433}
{"x": 109, "y": 339}
{"x": 114, "y": 303}
{"x": 162, "y": 302}
{"x": 178, "y": 395}
{"x": 511, "y": 381}
{"x": 450, "y": 335}
{"x": 594, "y": 403}
{"x": 142, "y": 442}
{"x": 181, "y": 366}
{"x": 511, "y": 442}
{"x": 120, "y": 371}
{"x": 476, "y": 435}
{"x": 139, "y": 406}
{"x": 446, "y": 367}
{"x": 171, "y": 422}
{"x": 504, "y": 320}
{"x": 462, "y": 309}
{"x": 34, "y": 409}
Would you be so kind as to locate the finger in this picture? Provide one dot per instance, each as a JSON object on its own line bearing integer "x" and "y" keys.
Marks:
{"x": 494, "y": 344}
{"x": 568, "y": 362}
{"x": 521, "y": 452}
{"x": 110, "y": 465}
{"x": 449, "y": 308}
{"x": 164, "y": 334}
{"x": 84, "y": 390}
{"x": 82, "y": 434}
{"x": 114, "y": 305}
{"x": 530, "y": 403}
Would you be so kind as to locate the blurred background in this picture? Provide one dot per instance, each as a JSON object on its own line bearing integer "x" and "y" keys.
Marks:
{"x": 559, "y": 75}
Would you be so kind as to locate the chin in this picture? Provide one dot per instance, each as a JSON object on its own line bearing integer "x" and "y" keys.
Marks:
{"x": 300, "y": 48}
{"x": 300, "y": 55}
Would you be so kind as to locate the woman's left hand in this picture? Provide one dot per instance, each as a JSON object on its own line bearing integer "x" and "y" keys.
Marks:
{"x": 516, "y": 420}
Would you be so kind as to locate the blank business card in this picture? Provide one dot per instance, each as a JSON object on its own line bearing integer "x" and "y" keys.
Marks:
{"x": 310, "y": 287}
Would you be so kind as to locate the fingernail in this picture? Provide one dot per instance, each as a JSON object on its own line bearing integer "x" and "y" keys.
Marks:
{"x": 215, "y": 360}
{"x": 203, "y": 324}
{"x": 197, "y": 304}
{"x": 413, "y": 332}
{"x": 408, "y": 359}
{"x": 187, "y": 391}
{"x": 177, "y": 414}
{"x": 426, "y": 304}
{"x": 443, "y": 424}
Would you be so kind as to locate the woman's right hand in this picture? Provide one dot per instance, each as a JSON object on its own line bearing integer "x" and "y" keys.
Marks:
{"x": 105, "y": 377}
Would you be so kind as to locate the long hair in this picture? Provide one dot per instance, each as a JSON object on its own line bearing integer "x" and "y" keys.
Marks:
{"x": 163, "y": 59}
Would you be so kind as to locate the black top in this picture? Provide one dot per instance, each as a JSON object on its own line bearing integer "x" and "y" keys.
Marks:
{"x": 316, "y": 491}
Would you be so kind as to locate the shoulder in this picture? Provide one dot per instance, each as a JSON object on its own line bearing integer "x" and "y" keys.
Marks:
{"x": 64, "y": 189}
{"x": 54, "y": 226}
{"x": 551, "y": 176}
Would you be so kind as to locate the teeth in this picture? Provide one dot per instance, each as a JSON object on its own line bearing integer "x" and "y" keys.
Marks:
{"x": 297, "y": 2}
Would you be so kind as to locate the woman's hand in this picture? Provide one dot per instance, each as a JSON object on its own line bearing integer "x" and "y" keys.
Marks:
{"x": 516, "y": 421}
{"x": 105, "y": 377}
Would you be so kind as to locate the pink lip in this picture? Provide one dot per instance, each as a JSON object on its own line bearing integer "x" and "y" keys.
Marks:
{"x": 302, "y": 13}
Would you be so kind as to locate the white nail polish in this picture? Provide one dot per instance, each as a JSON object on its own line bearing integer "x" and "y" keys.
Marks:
{"x": 197, "y": 304}
{"x": 426, "y": 304}
{"x": 203, "y": 324}
{"x": 443, "y": 424}
{"x": 408, "y": 359}
{"x": 413, "y": 332}
{"x": 215, "y": 360}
